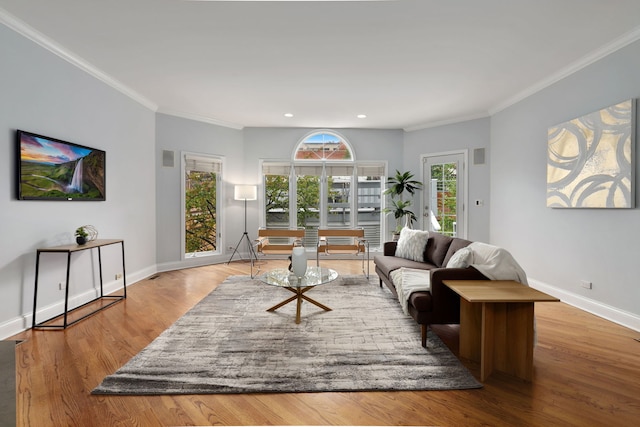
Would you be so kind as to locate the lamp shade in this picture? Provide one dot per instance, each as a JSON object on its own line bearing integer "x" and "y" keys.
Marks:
{"x": 246, "y": 192}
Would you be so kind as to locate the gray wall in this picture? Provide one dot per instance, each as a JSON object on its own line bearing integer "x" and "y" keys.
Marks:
{"x": 44, "y": 94}
{"x": 460, "y": 136}
{"x": 560, "y": 247}
{"x": 279, "y": 143}
{"x": 183, "y": 135}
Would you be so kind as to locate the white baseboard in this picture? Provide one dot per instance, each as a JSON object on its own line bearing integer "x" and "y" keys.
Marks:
{"x": 14, "y": 326}
{"x": 597, "y": 308}
{"x": 195, "y": 262}
{"x": 24, "y": 322}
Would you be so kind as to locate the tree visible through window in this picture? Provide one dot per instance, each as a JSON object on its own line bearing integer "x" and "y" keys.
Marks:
{"x": 445, "y": 177}
{"x": 308, "y": 201}
{"x": 200, "y": 209}
{"x": 277, "y": 200}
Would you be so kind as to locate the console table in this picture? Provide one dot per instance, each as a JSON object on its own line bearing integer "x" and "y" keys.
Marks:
{"x": 69, "y": 249}
{"x": 496, "y": 324}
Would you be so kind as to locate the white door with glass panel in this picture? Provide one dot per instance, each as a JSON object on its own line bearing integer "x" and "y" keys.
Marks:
{"x": 443, "y": 191}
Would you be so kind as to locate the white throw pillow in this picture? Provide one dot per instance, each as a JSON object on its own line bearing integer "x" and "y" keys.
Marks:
{"x": 461, "y": 259}
{"x": 411, "y": 244}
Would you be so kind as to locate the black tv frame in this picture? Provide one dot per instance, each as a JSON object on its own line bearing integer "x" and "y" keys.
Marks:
{"x": 64, "y": 190}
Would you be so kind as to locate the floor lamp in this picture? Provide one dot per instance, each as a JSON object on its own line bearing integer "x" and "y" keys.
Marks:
{"x": 245, "y": 192}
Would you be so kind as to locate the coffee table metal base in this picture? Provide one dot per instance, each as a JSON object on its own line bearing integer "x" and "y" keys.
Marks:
{"x": 298, "y": 297}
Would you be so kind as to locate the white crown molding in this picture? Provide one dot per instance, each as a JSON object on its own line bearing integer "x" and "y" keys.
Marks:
{"x": 608, "y": 49}
{"x": 32, "y": 34}
{"x": 621, "y": 317}
{"x": 446, "y": 122}
{"x": 199, "y": 118}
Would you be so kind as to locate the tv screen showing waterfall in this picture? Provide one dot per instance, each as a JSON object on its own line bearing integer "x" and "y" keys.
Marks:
{"x": 52, "y": 169}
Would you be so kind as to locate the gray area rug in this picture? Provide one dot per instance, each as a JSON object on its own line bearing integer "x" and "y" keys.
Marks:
{"x": 229, "y": 343}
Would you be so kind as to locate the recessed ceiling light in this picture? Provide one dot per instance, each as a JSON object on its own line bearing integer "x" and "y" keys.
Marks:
{"x": 288, "y": 115}
{"x": 361, "y": 116}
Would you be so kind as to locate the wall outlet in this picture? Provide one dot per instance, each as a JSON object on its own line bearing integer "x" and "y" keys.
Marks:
{"x": 585, "y": 284}
{"x": 118, "y": 276}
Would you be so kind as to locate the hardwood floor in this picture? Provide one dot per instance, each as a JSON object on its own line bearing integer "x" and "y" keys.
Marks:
{"x": 586, "y": 373}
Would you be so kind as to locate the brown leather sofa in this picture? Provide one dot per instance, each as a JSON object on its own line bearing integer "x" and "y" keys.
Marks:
{"x": 440, "y": 305}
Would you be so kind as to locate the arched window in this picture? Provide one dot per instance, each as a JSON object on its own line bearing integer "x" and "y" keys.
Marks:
{"x": 323, "y": 145}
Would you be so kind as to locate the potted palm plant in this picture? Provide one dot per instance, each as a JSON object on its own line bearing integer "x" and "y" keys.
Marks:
{"x": 400, "y": 183}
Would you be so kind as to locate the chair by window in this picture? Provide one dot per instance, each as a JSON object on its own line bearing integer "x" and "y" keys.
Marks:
{"x": 344, "y": 242}
{"x": 278, "y": 241}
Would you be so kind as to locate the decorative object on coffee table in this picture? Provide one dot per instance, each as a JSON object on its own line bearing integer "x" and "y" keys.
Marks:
{"x": 299, "y": 261}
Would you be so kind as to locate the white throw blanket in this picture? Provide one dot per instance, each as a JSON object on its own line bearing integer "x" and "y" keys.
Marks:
{"x": 407, "y": 281}
{"x": 496, "y": 263}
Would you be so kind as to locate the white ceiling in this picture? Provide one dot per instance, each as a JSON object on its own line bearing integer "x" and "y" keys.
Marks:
{"x": 405, "y": 64}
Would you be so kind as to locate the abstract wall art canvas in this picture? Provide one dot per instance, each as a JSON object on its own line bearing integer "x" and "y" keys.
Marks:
{"x": 590, "y": 161}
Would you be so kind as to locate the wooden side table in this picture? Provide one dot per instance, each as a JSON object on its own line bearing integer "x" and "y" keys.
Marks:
{"x": 69, "y": 249}
{"x": 496, "y": 324}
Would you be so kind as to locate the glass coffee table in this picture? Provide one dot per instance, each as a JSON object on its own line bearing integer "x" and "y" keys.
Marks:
{"x": 283, "y": 278}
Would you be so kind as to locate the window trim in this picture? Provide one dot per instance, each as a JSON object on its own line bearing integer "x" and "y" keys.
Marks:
{"x": 320, "y": 132}
{"x": 219, "y": 205}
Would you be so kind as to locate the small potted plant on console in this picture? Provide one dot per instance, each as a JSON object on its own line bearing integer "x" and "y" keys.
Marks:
{"x": 81, "y": 236}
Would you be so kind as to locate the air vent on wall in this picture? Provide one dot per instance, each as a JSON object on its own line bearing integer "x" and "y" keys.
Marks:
{"x": 167, "y": 158}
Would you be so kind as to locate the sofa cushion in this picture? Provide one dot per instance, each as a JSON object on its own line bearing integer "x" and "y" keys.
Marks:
{"x": 386, "y": 264}
{"x": 456, "y": 244}
{"x": 437, "y": 247}
{"x": 412, "y": 244}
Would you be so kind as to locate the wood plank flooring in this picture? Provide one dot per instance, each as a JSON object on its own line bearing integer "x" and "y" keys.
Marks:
{"x": 586, "y": 373}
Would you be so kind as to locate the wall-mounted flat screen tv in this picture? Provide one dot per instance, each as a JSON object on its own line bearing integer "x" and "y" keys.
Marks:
{"x": 52, "y": 169}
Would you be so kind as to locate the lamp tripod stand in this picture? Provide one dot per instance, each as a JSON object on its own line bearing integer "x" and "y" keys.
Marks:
{"x": 245, "y": 192}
